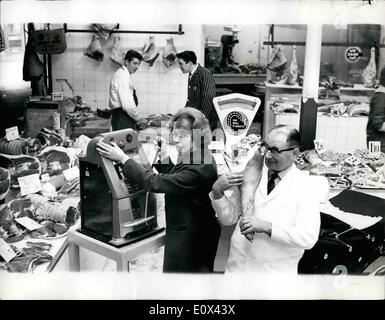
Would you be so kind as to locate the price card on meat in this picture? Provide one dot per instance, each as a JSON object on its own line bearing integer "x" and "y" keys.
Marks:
{"x": 44, "y": 177}
{"x": 6, "y": 251}
{"x": 12, "y": 133}
{"x": 375, "y": 148}
{"x": 28, "y": 223}
{"x": 29, "y": 184}
{"x": 71, "y": 173}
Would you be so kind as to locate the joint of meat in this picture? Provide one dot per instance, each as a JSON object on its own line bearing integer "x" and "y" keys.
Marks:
{"x": 94, "y": 49}
{"x": 252, "y": 177}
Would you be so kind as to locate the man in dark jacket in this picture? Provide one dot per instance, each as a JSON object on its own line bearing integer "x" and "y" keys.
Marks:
{"x": 201, "y": 86}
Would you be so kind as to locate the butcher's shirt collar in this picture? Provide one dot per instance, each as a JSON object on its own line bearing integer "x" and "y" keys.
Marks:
{"x": 283, "y": 173}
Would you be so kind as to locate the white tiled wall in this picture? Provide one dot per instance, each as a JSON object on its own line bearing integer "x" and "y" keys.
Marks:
{"x": 159, "y": 89}
{"x": 341, "y": 134}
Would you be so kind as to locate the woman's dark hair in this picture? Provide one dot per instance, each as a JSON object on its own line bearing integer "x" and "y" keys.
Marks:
{"x": 193, "y": 120}
{"x": 187, "y": 56}
{"x": 131, "y": 54}
{"x": 382, "y": 77}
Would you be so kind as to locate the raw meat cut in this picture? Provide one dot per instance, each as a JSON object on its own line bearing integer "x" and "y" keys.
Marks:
{"x": 57, "y": 212}
{"x": 50, "y": 229}
{"x": 54, "y": 160}
{"x": 252, "y": 177}
{"x": 5, "y": 182}
{"x": 149, "y": 52}
{"x": 19, "y": 166}
{"x": 29, "y": 257}
{"x": 277, "y": 60}
{"x": 49, "y": 138}
{"x": 9, "y": 230}
{"x": 17, "y": 146}
{"x": 94, "y": 49}
{"x": 169, "y": 53}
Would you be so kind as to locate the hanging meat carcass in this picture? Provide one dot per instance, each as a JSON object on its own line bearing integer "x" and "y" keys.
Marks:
{"x": 169, "y": 53}
{"x": 252, "y": 176}
{"x": 369, "y": 73}
{"x": 292, "y": 70}
{"x": 94, "y": 49}
{"x": 33, "y": 68}
{"x": 117, "y": 54}
{"x": 149, "y": 52}
{"x": 105, "y": 30}
{"x": 277, "y": 61}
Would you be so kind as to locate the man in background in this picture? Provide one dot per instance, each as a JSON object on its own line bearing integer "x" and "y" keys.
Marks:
{"x": 201, "y": 86}
{"x": 122, "y": 96}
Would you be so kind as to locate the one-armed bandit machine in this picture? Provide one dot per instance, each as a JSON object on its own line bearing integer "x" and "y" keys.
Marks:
{"x": 113, "y": 209}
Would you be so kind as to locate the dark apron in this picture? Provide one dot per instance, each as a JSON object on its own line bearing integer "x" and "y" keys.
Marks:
{"x": 121, "y": 120}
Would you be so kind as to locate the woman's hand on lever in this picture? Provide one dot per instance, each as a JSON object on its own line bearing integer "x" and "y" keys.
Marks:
{"x": 112, "y": 151}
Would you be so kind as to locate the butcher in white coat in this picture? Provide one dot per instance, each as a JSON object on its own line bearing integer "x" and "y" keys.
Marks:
{"x": 284, "y": 222}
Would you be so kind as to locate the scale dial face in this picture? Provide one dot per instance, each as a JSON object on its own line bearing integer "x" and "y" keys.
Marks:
{"x": 235, "y": 123}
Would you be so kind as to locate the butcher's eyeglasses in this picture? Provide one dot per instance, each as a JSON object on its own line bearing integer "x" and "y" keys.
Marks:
{"x": 274, "y": 150}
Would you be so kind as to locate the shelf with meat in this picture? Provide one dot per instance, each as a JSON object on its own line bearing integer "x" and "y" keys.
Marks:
{"x": 359, "y": 169}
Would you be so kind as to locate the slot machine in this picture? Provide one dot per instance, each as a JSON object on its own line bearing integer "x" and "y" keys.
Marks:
{"x": 113, "y": 209}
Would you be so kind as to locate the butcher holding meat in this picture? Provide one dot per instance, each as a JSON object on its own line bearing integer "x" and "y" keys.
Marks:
{"x": 274, "y": 206}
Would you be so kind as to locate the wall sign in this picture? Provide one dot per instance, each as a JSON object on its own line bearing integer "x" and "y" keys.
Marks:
{"x": 237, "y": 122}
{"x": 353, "y": 54}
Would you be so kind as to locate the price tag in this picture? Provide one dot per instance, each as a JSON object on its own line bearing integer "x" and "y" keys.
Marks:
{"x": 28, "y": 223}
{"x": 319, "y": 146}
{"x": 375, "y": 148}
{"x": 29, "y": 184}
{"x": 6, "y": 251}
{"x": 71, "y": 173}
{"x": 12, "y": 133}
{"x": 44, "y": 177}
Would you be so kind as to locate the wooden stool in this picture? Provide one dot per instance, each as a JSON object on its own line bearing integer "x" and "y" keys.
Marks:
{"x": 122, "y": 255}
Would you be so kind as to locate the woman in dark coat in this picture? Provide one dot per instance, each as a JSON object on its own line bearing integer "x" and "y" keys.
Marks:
{"x": 192, "y": 230}
{"x": 375, "y": 129}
